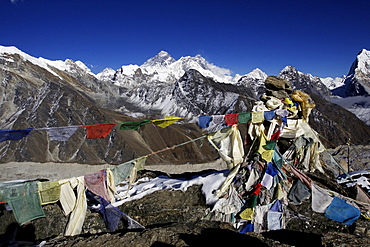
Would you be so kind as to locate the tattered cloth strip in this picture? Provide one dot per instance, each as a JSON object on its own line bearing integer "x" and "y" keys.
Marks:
{"x": 204, "y": 121}
{"x": 321, "y": 199}
{"x": 341, "y": 211}
{"x": 96, "y": 183}
{"x": 244, "y": 117}
{"x": 229, "y": 144}
{"x": 231, "y": 119}
{"x": 14, "y": 134}
{"x": 121, "y": 172}
{"x": 98, "y": 130}
{"x": 260, "y": 218}
{"x": 362, "y": 196}
{"x": 167, "y": 121}
{"x": 112, "y": 216}
{"x": 23, "y": 199}
{"x": 49, "y": 192}
{"x": 76, "y": 207}
{"x": 135, "y": 125}
{"x": 299, "y": 192}
{"x": 61, "y": 133}
{"x": 139, "y": 165}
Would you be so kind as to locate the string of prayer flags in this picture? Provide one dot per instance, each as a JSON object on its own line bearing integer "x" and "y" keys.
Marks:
{"x": 134, "y": 125}
{"x": 14, "y": 134}
{"x": 98, "y": 130}
{"x": 167, "y": 121}
{"x": 61, "y": 133}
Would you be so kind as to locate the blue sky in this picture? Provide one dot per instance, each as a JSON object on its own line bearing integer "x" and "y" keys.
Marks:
{"x": 317, "y": 37}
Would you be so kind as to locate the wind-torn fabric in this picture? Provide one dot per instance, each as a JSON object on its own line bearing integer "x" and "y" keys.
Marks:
{"x": 231, "y": 119}
{"x": 122, "y": 171}
{"x": 204, "y": 121}
{"x": 229, "y": 144}
{"x": 321, "y": 199}
{"x": 134, "y": 125}
{"x": 112, "y": 216}
{"x": 260, "y": 218}
{"x": 49, "y": 192}
{"x": 111, "y": 185}
{"x": 341, "y": 211}
{"x": 98, "y": 130}
{"x": 73, "y": 206}
{"x": 96, "y": 183}
{"x": 299, "y": 192}
{"x": 166, "y": 121}
{"x": 14, "y": 134}
{"x": 61, "y": 133}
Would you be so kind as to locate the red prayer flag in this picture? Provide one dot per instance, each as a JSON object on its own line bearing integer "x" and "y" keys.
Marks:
{"x": 231, "y": 119}
{"x": 98, "y": 130}
{"x": 275, "y": 136}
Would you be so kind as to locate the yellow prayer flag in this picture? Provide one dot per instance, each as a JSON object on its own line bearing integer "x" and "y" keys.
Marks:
{"x": 49, "y": 192}
{"x": 167, "y": 121}
{"x": 258, "y": 117}
{"x": 247, "y": 214}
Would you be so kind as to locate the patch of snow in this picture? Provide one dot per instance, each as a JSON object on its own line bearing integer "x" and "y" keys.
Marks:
{"x": 146, "y": 186}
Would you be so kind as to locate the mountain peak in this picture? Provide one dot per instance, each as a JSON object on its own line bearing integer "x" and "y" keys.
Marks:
{"x": 162, "y": 59}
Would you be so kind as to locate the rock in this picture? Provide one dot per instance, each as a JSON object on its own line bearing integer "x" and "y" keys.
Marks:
{"x": 278, "y": 87}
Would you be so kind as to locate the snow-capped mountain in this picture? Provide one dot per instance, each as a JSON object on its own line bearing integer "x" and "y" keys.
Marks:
{"x": 305, "y": 82}
{"x": 358, "y": 79}
{"x": 333, "y": 83}
{"x": 163, "y": 68}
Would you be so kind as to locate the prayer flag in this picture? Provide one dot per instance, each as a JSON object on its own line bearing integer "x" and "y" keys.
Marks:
{"x": 135, "y": 125}
{"x": 244, "y": 117}
{"x": 14, "y": 134}
{"x": 231, "y": 119}
{"x": 167, "y": 121}
{"x": 204, "y": 121}
{"x": 98, "y": 130}
{"x": 61, "y": 133}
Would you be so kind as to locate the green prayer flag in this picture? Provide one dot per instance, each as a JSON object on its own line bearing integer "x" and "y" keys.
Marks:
{"x": 135, "y": 125}
{"x": 244, "y": 117}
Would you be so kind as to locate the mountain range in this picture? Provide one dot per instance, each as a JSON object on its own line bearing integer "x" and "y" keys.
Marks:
{"x": 36, "y": 92}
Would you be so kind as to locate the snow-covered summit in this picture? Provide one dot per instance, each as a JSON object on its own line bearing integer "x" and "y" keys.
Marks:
{"x": 67, "y": 65}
